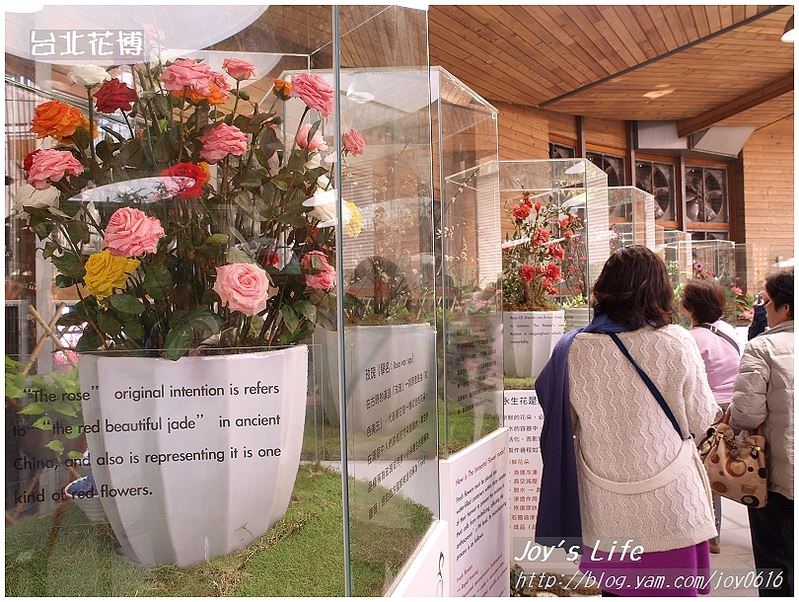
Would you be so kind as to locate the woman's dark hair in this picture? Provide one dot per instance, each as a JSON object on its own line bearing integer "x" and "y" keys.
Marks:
{"x": 704, "y": 300}
{"x": 779, "y": 287}
{"x": 634, "y": 289}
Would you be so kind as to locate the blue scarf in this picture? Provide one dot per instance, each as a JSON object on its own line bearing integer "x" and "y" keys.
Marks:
{"x": 558, "y": 522}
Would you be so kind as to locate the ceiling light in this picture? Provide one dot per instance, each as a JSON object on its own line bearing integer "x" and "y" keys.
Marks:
{"x": 654, "y": 94}
{"x": 790, "y": 33}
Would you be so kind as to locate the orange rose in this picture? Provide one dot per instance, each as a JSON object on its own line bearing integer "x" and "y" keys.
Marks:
{"x": 282, "y": 89}
{"x": 59, "y": 120}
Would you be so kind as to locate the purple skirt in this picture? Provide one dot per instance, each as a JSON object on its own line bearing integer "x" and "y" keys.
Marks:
{"x": 681, "y": 572}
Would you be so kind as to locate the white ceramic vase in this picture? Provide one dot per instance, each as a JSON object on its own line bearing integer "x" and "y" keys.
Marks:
{"x": 194, "y": 458}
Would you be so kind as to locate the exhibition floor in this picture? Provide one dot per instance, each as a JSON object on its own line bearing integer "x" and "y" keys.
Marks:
{"x": 736, "y": 546}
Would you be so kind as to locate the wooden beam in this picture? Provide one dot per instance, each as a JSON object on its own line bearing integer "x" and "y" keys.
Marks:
{"x": 742, "y": 103}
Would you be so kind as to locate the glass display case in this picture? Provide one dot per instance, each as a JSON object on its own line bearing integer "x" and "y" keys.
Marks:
{"x": 701, "y": 259}
{"x": 216, "y": 233}
{"x": 468, "y": 262}
{"x": 631, "y": 212}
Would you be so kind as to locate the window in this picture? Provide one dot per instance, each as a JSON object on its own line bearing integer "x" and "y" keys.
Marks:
{"x": 658, "y": 180}
{"x": 706, "y": 195}
{"x": 699, "y": 235}
{"x": 561, "y": 151}
{"x": 611, "y": 165}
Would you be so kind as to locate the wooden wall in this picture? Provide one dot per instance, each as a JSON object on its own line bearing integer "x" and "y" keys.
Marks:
{"x": 766, "y": 222}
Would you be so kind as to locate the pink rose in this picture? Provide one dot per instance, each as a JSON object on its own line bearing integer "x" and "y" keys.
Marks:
{"x": 354, "y": 143}
{"x": 221, "y": 141}
{"x": 314, "y": 92}
{"x": 324, "y": 277}
{"x": 239, "y": 69}
{"x": 52, "y": 165}
{"x": 317, "y": 143}
{"x": 187, "y": 73}
{"x": 132, "y": 233}
{"x": 736, "y": 290}
{"x": 242, "y": 287}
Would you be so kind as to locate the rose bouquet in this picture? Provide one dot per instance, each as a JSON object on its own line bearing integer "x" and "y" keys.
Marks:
{"x": 532, "y": 258}
{"x": 201, "y": 224}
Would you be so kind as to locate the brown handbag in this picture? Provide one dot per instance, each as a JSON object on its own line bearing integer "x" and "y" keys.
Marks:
{"x": 736, "y": 466}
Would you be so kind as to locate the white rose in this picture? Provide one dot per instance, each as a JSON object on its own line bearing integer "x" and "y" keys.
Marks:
{"x": 28, "y": 196}
{"x": 88, "y": 75}
{"x": 324, "y": 207}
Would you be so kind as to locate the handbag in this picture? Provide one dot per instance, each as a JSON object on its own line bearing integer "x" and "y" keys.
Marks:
{"x": 736, "y": 466}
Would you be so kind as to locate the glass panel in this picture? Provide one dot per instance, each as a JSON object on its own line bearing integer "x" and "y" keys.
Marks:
{"x": 469, "y": 262}
{"x": 218, "y": 473}
{"x": 612, "y": 166}
{"x": 632, "y": 217}
{"x": 704, "y": 259}
{"x": 389, "y": 338}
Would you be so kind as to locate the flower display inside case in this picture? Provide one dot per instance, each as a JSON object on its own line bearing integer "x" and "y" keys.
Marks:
{"x": 187, "y": 215}
{"x": 559, "y": 242}
{"x": 631, "y": 212}
{"x": 468, "y": 262}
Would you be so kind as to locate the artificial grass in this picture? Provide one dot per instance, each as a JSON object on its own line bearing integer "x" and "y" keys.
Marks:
{"x": 459, "y": 430}
{"x": 516, "y": 383}
{"x": 302, "y": 555}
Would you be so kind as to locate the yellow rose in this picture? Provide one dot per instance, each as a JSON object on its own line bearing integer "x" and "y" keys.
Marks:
{"x": 355, "y": 225}
{"x": 105, "y": 272}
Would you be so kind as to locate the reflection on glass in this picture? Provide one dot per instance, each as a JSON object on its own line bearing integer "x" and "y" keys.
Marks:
{"x": 632, "y": 217}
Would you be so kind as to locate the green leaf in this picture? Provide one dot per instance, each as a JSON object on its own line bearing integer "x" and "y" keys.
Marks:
{"x": 290, "y": 317}
{"x": 74, "y": 317}
{"x": 33, "y": 409}
{"x": 307, "y": 309}
{"x": 108, "y": 324}
{"x": 56, "y": 446}
{"x": 127, "y": 304}
{"x": 134, "y": 330}
{"x": 69, "y": 265}
{"x": 250, "y": 179}
{"x": 62, "y": 281}
{"x": 75, "y": 455}
{"x": 65, "y": 408}
{"x": 115, "y": 134}
{"x": 178, "y": 341}
{"x": 73, "y": 435}
{"x": 44, "y": 423}
{"x": 157, "y": 281}
{"x": 217, "y": 240}
{"x": 49, "y": 249}
{"x": 267, "y": 143}
{"x": 77, "y": 231}
{"x": 236, "y": 255}
{"x": 81, "y": 138}
{"x": 90, "y": 341}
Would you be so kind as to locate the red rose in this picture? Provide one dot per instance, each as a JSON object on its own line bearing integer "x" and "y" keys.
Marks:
{"x": 537, "y": 207}
{"x": 521, "y": 212}
{"x": 541, "y": 236}
{"x": 526, "y": 199}
{"x": 556, "y": 251}
{"x": 198, "y": 174}
{"x": 568, "y": 234}
{"x": 114, "y": 95}
{"x": 553, "y": 271}
{"x": 527, "y": 273}
{"x": 26, "y": 164}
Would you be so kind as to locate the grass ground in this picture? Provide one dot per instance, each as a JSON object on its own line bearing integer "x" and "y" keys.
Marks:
{"x": 301, "y": 555}
{"x": 519, "y": 383}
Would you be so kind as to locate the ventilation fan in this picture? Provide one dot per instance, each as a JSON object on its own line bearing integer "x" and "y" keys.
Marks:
{"x": 705, "y": 196}
{"x": 560, "y": 151}
{"x": 658, "y": 180}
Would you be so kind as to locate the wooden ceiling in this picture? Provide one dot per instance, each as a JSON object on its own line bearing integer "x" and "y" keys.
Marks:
{"x": 622, "y": 62}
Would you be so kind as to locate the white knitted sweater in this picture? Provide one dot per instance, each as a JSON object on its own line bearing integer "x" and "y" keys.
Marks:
{"x": 625, "y": 438}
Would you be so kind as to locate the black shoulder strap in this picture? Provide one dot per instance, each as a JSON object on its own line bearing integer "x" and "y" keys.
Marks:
{"x": 724, "y": 336}
{"x": 650, "y": 385}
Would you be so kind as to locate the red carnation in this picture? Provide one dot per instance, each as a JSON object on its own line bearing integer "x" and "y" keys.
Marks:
{"x": 527, "y": 273}
{"x": 541, "y": 236}
{"x": 550, "y": 287}
{"x": 114, "y": 95}
{"x": 198, "y": 174}
{"x": 553, "y": 271}
{"x": 521, "y": 212}
{"x": 28, "y": 162}
{"x": 556, "y": 251}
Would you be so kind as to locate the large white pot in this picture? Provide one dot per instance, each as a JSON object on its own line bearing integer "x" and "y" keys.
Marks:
{"x": 529, "y": 338}
{"x": 577, "y": 317}
{"x": 189, "y": 511}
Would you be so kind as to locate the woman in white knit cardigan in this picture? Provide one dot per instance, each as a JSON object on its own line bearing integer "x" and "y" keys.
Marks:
{"x": 638, "y": 473}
